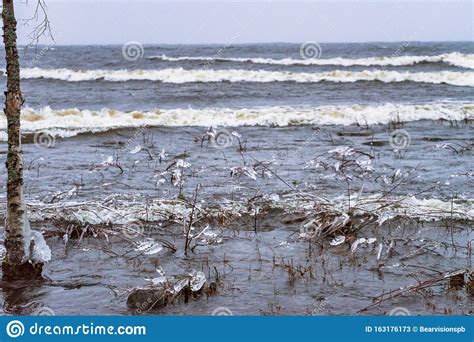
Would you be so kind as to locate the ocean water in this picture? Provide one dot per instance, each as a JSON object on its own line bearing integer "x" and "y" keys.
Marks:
{"x": 257, "y": 84}
{"x": 382, "y": 131}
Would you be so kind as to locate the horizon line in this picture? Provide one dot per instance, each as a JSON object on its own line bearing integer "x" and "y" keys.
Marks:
{"x": 248, "y": 43}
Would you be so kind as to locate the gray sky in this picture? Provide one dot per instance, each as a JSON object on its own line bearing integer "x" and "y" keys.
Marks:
{"x": 157, "y": 21}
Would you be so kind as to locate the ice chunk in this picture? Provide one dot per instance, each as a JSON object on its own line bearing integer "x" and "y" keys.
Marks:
{"x": 384, "y": 217}
{"x": 160, "y": 271}
{"x": 149, "y": 247}
{"x": 162, "y": 154}
{"x": 40, "y": 251}
{"x": 356, "y": 244}
{"x": 238, "y": 171}
{"x": 364, "y": 163}
{"x": 179, "y": 285}
{"x": 371, "y": 240}
{"x": 342, "y": 151}
{"x": 379, "y": 251}
{"x": 337, "y": 240}
{"x": 182, "y": 163}
{"x": 209, "y": 237}
{"x": 136, "y": 149}
{"x": 108, "y": 161}
{"x": 159, "y": 280}
{"x": 275, "y": 197}
{"x": 197, "y": 280}
{"x": 360, "y": 241}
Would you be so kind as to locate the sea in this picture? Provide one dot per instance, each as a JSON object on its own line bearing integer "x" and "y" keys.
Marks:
{"x": 261, "y": 137}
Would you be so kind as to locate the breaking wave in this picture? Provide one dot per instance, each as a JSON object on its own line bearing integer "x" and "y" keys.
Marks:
{"x": 455, "y": 58}
{"x": 70, "y": 122}
{"x": 180, "y": 75}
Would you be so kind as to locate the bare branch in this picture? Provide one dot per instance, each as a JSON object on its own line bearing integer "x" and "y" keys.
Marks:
{"x": 42, "y": 23}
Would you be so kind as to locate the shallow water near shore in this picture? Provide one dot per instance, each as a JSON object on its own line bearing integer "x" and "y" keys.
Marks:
{"x": 327, "y": 281}
{"x": 112, "y": 180}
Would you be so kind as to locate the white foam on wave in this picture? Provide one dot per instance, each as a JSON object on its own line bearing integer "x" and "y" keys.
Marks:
{"x": 180, "y": 75}
{"x": 126, "y": 209}
{"x": 454, "y": 58}
{"x": 70, "y": 122}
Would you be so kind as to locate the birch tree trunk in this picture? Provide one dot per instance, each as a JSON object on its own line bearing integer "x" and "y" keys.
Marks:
{"x": 17, "y": 230}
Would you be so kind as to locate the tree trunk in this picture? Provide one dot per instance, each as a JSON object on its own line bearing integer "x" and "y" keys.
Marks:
{"x": 17, "y": 230}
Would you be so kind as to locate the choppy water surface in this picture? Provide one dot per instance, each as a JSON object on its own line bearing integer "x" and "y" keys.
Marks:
{"x": 273, "y": 271}
{"x": 380, "y": 141}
